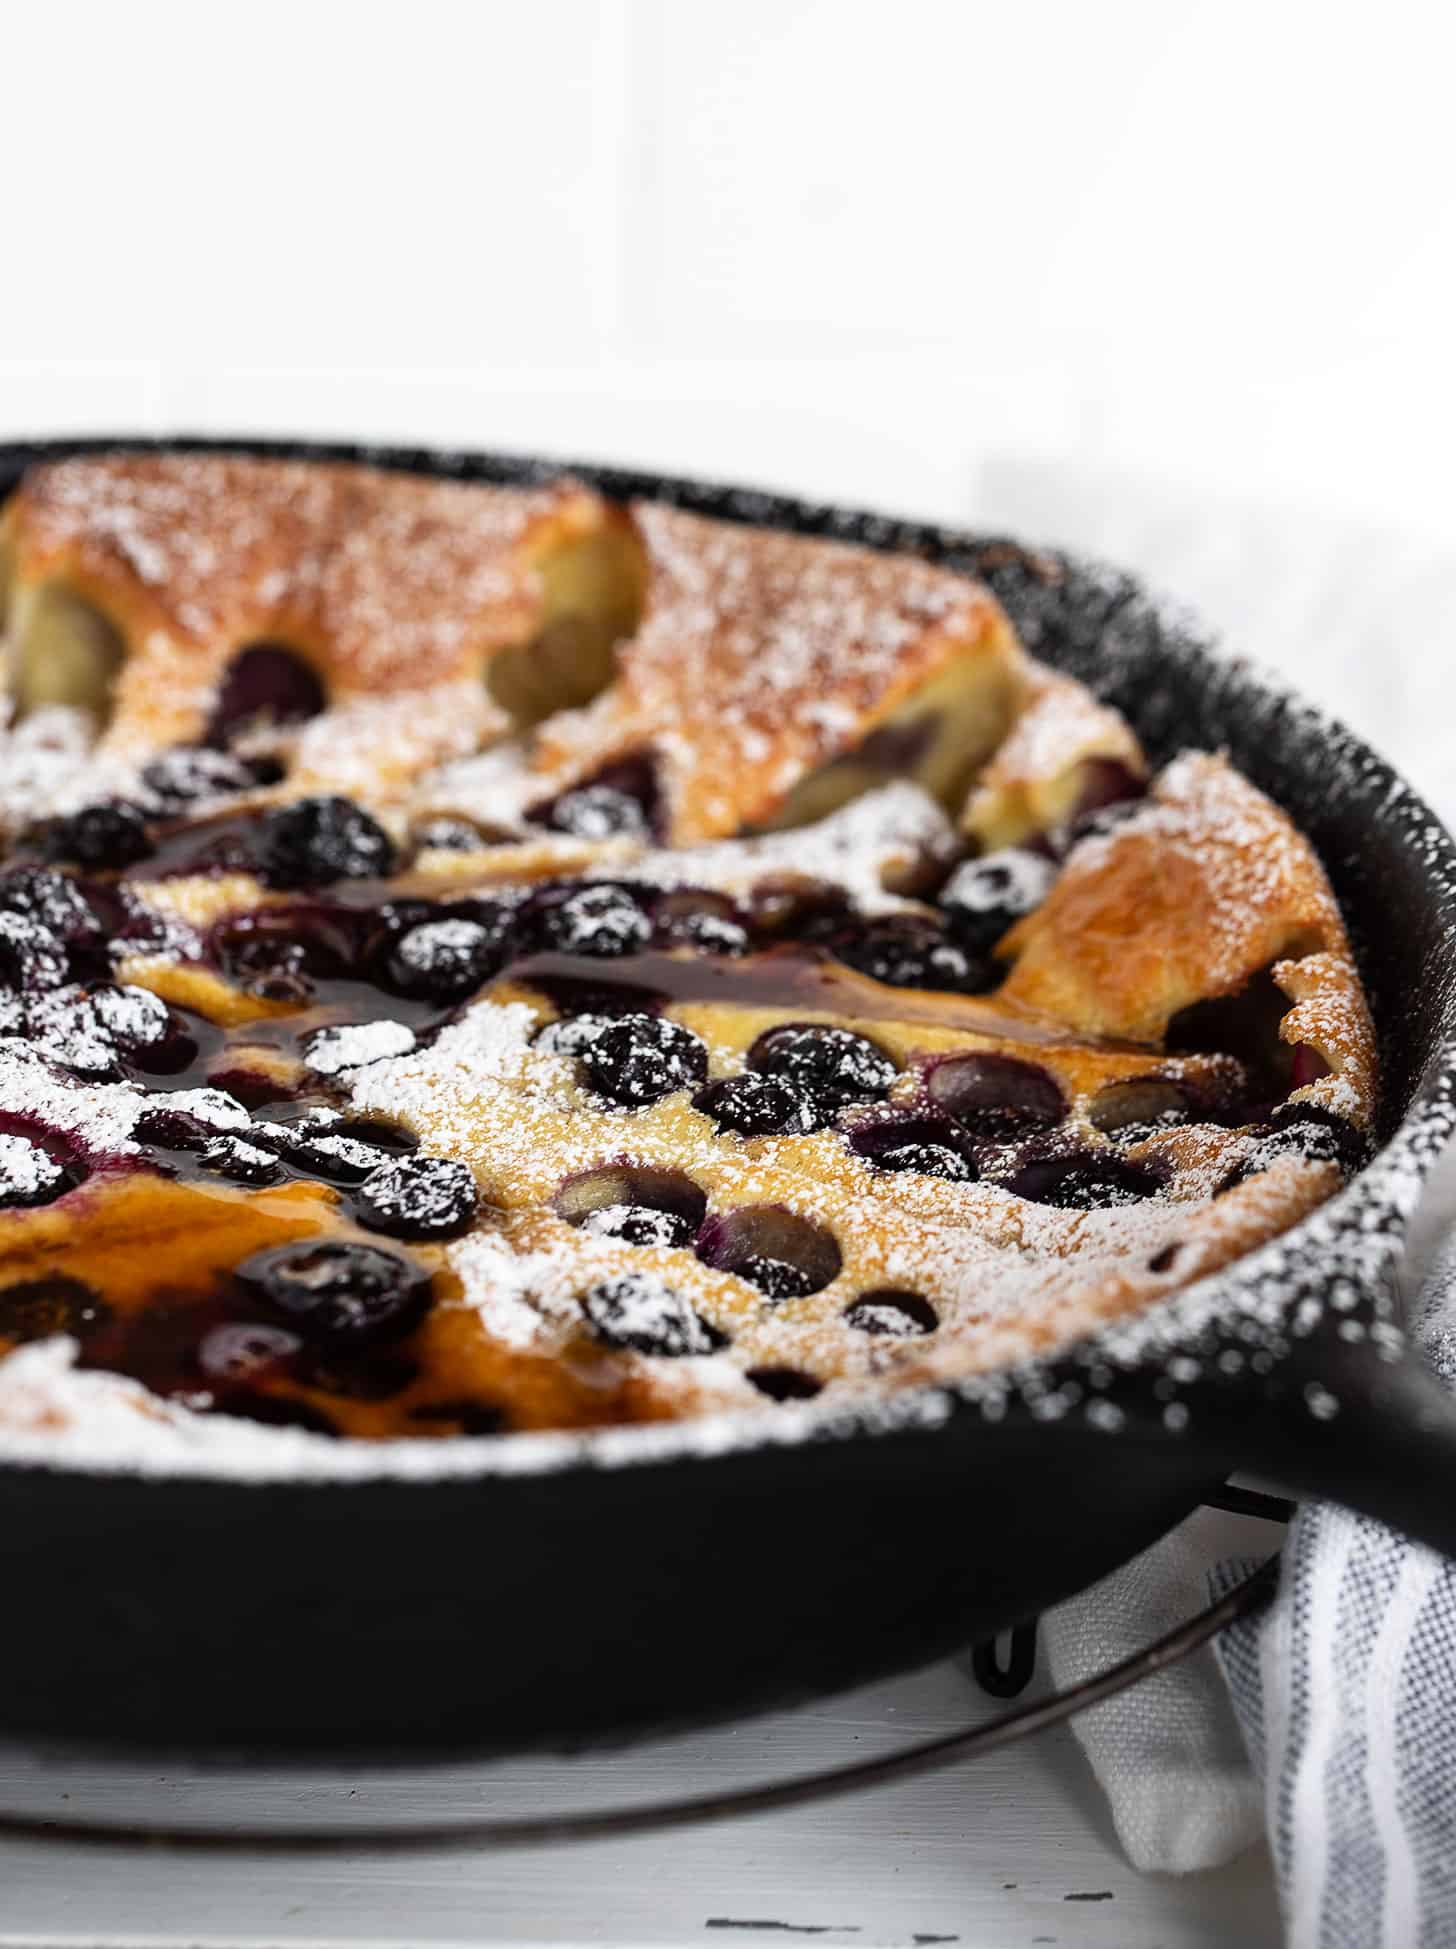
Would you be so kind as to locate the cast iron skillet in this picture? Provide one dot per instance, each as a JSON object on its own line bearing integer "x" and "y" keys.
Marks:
{"x": 649, "y": 1580}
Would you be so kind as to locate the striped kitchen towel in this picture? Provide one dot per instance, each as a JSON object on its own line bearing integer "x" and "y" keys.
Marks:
{"x": 1346, "y": 1692}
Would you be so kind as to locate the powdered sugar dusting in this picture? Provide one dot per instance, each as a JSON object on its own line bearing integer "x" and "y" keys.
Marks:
{"x": 1255, "y": 1309}
{"x": 862, "y": 849}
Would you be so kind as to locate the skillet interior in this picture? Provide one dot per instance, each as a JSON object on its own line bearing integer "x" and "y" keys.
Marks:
{"x": 596, "y": 1602}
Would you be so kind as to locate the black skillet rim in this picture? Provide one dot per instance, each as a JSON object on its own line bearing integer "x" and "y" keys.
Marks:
{"x": 1360, "y": 1231}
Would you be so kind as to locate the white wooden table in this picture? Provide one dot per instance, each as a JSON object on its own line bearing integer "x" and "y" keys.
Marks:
{"x": 998, "y": 1852}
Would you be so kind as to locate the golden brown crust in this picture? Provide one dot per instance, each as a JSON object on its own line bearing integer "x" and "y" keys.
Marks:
{"x": 1038, "y": 775}
{"x": 763, "y": 657}
{"x": 390, "y": 585}
{"x": 1201, "y": 889}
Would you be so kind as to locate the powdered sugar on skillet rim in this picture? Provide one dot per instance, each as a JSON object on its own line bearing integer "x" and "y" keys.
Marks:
{"x": 1251, "y": 1310}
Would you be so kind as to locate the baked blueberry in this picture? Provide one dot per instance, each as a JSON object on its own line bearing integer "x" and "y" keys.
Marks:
{"x": 930, "y": 1160}
{"x": 784, "y": 1383}
{"x": 336, "y": 1290}
{"x": 996, "y": 1098}
{"x": 66, "y": 1027}
{"x": 35, "y": 1309}
{"x": 1302, "y": 1130}
{"x": 784, "y": 1255}
{"x": 929, "y": 1145}
{"x": 639, "y": 1225}
{"x": 442, "y": 960}
{"x": 418, "y": 1197}
{"x": 834, "y": 1065}
{"x": 54, "y": 901}
{"x": 1140, "y": 1107}
{"x": 595, "y": 920}
{"x": 267, "y": 683}
{"x": 187, "y": 773}
{"x": 316, "y": 1145}
{"x": 892, "y": 1311}
{"x": 32, "y": 959}
{"x": 29, "y": 1175}
{"x": 313, "y": 842}
{"x": 597, "y": 812}
{"x": 642, "y": 1204}
{"x": 756, "y": 1105}
{"x": 105, "y": 838}
{"x": 776, "y": 1279}
{"x": 639, "y": 1314}
{"x": 1083, "y": 1181}
{"x": 706, "y": 921}
{"x": 638, "y": 1059}
{"x": 986, "y": 896}
{"x": 447, "y": 835}
{"x": 912, "y": 951}
{"x": 618, "y": 803}
{"x": 134, "y": 1018}
{"x": 234, "y": 1157}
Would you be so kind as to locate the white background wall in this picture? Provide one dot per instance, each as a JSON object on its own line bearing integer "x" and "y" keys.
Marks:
{"x": 1148, "y": 273}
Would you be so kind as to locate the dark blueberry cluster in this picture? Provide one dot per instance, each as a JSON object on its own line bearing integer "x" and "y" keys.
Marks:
{"x": 319, "y": 1144}
{"x": 314, "y": 842}
{"x": 835, "y": 1066}
{"x": 232, "y": 1157}
{"x": 639, "y": 1314}
{"x": 639, "y": 1059}
{"x": 914, "y": 951}
{"x": 755, "y": 1105}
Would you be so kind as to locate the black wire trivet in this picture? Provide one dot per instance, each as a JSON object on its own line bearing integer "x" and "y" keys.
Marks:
{"x": 1002, "y": 1678}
